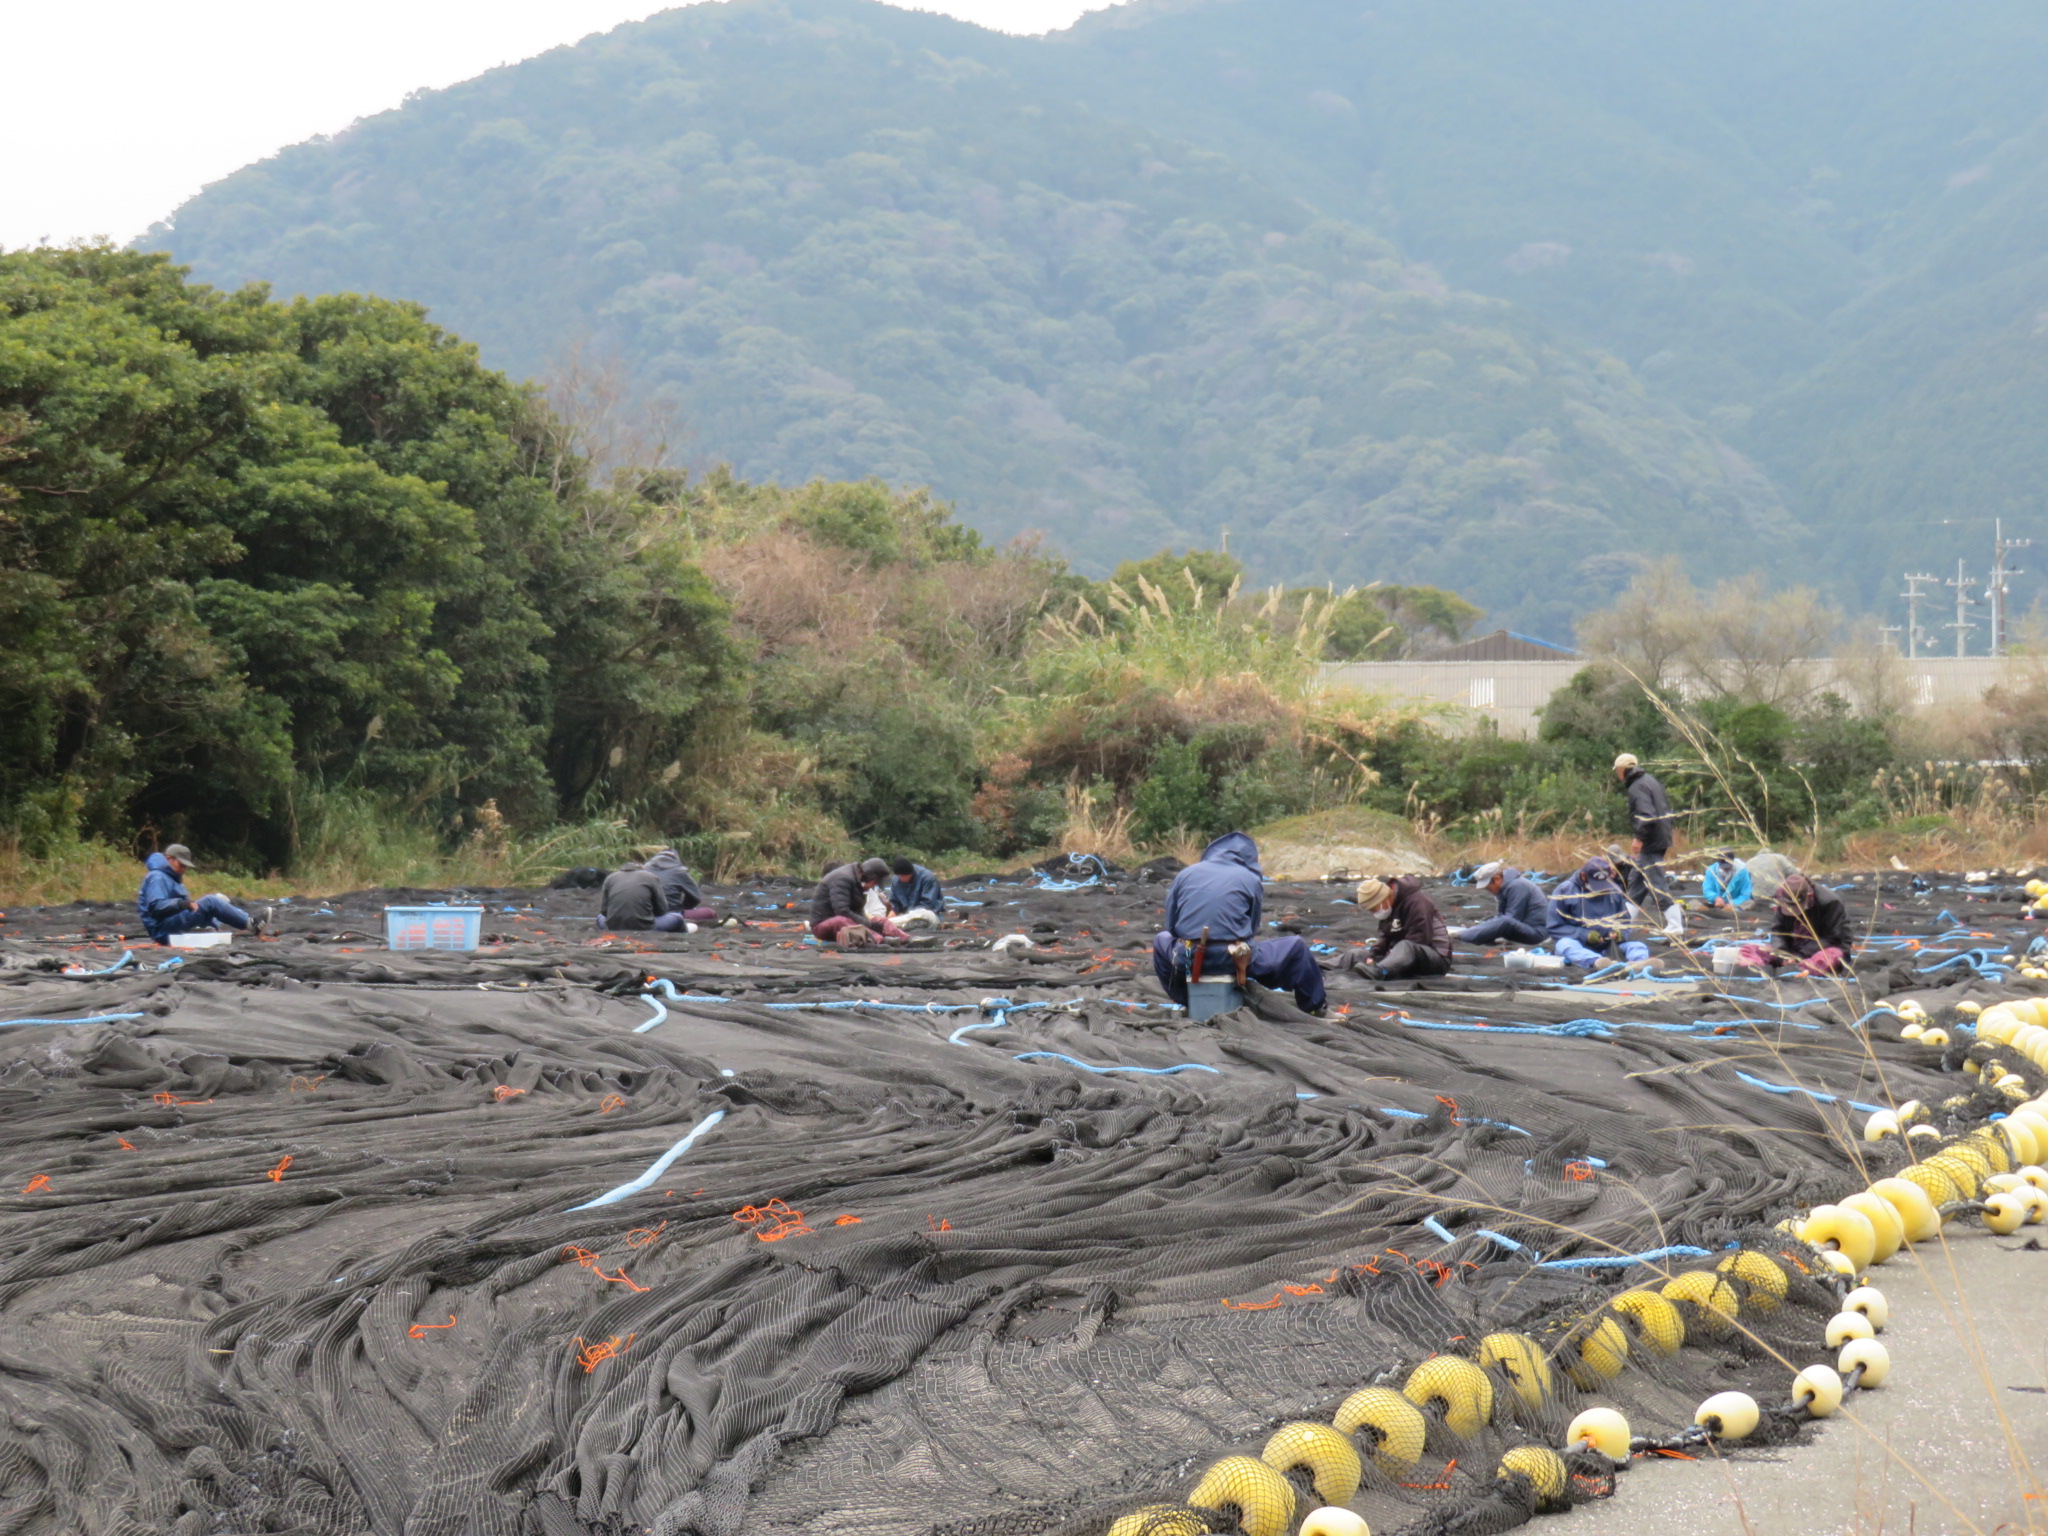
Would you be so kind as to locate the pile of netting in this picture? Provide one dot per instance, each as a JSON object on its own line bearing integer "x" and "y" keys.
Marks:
{"x": 728, "y": 1233}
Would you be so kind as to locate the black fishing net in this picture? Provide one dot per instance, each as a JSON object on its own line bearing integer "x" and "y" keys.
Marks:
{"x": 310, "y": 1236}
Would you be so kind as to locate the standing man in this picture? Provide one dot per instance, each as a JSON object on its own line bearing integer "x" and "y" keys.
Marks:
{"x": 1649, "y": 812}
{"x": 166, "y": 907}
{"x": 1524, "y": 910}
{"x": 1214, "y": 911}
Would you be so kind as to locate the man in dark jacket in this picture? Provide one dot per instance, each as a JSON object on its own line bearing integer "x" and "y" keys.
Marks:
{"x": 1524, "y": 911}
{"x": 1649, "y": 814}
{"x": 1812, "y": 929}
{"x": 679, "y": 889}
{"x": 1413, "y": 940}
{"x": 914, "y": 889}
{"x": 166, "y": 907}
{"x": 839, "y": 906}
{"x": 631, "y": 901}
{"x": 1221, "y": 899}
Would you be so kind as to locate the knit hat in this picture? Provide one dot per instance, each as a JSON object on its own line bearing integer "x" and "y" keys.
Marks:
{"x": 1485, "y": 872}
{"x": 874, "y": 870}
{"x": 1373, "y": 894}
{"x": 1626, "y": 760}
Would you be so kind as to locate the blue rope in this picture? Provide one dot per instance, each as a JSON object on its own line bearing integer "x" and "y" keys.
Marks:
{"x": 127, "y": 958}
{"x": 661, "y": 1165}
{"x": 1186, "y": 1066}
{"x": 96, "y": 1018}
{"x": 1811, "y": 1093}
{"x": 1622, "y": 1261}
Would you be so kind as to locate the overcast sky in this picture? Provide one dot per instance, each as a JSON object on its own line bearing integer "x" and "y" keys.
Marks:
{"x": 116, "y": 111}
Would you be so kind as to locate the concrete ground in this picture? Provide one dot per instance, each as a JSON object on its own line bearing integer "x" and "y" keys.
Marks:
{"x": 1965, "y": 1410}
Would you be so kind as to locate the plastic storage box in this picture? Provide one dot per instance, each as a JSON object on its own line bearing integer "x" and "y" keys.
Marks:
{"x": 1206, "y": 999}
{"x": 436, "y": 927}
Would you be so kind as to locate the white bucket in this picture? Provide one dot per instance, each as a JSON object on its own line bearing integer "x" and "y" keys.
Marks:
{"x": 1726, "y": 958}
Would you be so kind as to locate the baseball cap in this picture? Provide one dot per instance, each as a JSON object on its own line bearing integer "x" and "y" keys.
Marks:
{"x": 1627, "y": 760}
{"x": 182, "y": 854}
{"x": 1486, "y": 872}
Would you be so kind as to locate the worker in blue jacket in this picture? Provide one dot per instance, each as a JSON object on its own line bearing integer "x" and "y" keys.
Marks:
{"x": 1222, "y": 897}
{"x": 1589, "y": 917}
{"x": 166, "y": 907}
{"x": 914, "y": 888}
{"x": 1524, "y": 912}
{"x": 1726, "y": 887}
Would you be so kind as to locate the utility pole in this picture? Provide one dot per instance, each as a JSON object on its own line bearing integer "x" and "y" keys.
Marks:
{"x": 1998, "y": 589}
{"x": 1914, "y": 633}
{"x": 1962, "y": 625}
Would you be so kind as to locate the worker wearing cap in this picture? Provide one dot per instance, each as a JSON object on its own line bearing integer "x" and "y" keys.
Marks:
{"x": 166, "y": 907}
{"x": 1524, "y": 911}
{"x": 1649, "y": 812}
{"x": 1413, "y": 940}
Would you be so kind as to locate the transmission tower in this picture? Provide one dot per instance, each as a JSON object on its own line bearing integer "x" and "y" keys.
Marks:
{"x": 1998, "y": 589}
{"x": 1914, "y": 633}
{"x": 1962, "y": 625}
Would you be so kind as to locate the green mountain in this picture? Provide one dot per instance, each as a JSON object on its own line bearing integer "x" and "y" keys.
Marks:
{"x": 1820, "y": 225}
{"x": 1488, "y": 295}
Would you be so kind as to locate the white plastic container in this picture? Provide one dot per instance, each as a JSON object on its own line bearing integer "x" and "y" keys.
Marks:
{"x": 1726, "y": 958}
{"x": 1519, "y": 960}
{"x": 1548, "y": 962}
{"x": 218, "y": 938}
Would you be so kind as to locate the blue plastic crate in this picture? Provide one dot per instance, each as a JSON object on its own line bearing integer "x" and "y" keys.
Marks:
{"x": 436, "y": 927}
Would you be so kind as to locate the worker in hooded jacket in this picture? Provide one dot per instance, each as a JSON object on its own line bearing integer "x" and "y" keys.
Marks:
{"x": 1222, "y": 899}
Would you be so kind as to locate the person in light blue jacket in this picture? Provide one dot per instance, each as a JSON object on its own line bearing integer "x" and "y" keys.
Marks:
{"x": 1726, "y": 885}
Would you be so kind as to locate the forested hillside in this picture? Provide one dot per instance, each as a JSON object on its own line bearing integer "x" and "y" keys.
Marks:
{"x": 1177, "y": 270}
{"x": 841, "y": 246}
{"x": 1821, "y": 226}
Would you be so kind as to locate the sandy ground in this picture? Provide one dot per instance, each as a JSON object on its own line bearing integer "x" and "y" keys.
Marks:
{"x": 1955, "y": 1441}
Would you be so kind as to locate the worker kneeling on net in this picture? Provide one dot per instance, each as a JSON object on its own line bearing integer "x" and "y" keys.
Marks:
{"x": 1524, "y": 914}
{"x": 1811, "y": 932}
{"x": 166, "y": 907}
{"x": 916, "y": 899}
{"x": 1589, "y": 917}
{"x": 1214, "y": 911}
{"x": 1413, "y": 940}
{"x": 839, "y": 906}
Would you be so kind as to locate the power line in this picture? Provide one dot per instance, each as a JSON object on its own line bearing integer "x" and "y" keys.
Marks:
{"x": 1962, "y": 625}
{"x": 1998, "y": 590}
{"x": 1914, "y": 633}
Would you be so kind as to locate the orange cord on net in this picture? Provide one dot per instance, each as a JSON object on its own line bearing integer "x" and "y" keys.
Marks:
{"x": 772, "y": 1222}
{"x": 501, "y": 1093}
{"x": 126, "y": 1144}
{"x": 640, "y": 1237}
{"x": 40, "y": 1182}
{"x": 276, "y": 1175}
{"x": 420, "y": 1330}
{"x": 307, "y": 1084}
{"x": 172, "y": 1101}
{"x": 1254, "y": 1306}
{"x": 591, "y": 1261}
{"x": 1442, "y": 1487}
{"x": 846, "y": 1221}
{"x": 591, "y": 1356}
{"x": 611, "y": 1102}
